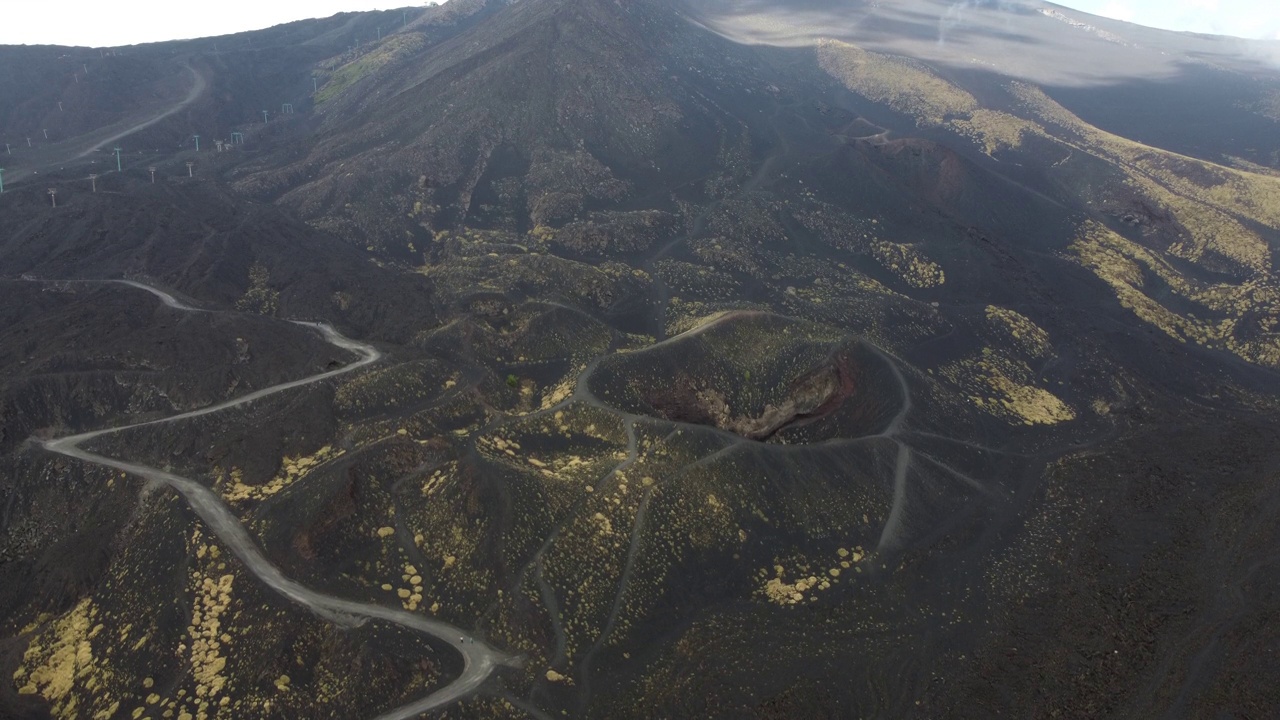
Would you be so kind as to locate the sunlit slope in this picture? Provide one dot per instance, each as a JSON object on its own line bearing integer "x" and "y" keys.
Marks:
{"x": 1197, "y": 229}
{"x": 860, "y": 374}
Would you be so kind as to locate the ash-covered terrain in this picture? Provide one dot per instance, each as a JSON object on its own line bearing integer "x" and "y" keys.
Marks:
{"x": 657, "y": 359}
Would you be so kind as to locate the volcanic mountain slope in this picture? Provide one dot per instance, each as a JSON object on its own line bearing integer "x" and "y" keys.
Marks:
{"x": 57, "y": 103}
{"x": 741, "y": 360}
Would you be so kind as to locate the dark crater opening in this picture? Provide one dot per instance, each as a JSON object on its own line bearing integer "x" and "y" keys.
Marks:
{"x": 765, "y": 377}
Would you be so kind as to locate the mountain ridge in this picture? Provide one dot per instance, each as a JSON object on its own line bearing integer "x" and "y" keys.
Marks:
{"x": 734, "y": 359}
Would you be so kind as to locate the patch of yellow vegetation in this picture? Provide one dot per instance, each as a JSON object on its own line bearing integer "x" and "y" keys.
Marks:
{"x": 1023, "y": 333}
{"x": 780, "y": 592}
{"x": 60, "y": 660}
{"x": 558, "y": 393}
{"x": 410, "y": 596}
{"x": 603, "y": 524}
{"x": 1211, "y": 230}
{"x": 209, "y": 640}
{"x": 912, "y": 88}
{"x": 1033, "y": 405}
{"x": 234, "y": 489}
{"x": 542, "y": 234}
{"x": 910, "y": 264}
{"x": 560, "y": 466}
{"x": 1127, "y": 267}
{"x": 1206, "y": 198}
{"x": 903, "y": 84}
{"x": 1002, "y": 387}
{"x": 259, "y": 297}
{"x": 995, "y": 130}
{"x": 1212, "y": 203}
{"x": 437, "y": 479}
{"x": 394, "y": 49}
{"x": 556, "y": 677}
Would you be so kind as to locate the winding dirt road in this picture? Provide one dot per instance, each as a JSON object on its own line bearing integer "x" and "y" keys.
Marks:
{"x": 198, "y": 87}
{"x": 480, "y": 660}
{"x": 93, "y": 142}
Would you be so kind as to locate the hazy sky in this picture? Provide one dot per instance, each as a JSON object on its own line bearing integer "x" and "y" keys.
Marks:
{"x": 123, "y": 22}
{"x": 97, "y": 23}
{"x": 1243, "y": 18}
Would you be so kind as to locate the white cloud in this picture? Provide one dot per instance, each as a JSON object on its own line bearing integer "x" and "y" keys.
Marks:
{"x": 1119, "y": 11}
{"x": 1242, "y": 18}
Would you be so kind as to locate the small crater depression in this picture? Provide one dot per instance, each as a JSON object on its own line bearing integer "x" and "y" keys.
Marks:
{"x": 764, "y": 377}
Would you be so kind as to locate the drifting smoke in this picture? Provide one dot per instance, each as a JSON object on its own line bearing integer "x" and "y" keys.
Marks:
{"x": 954, "y": 17}
{"x": 1266, "y": 52}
